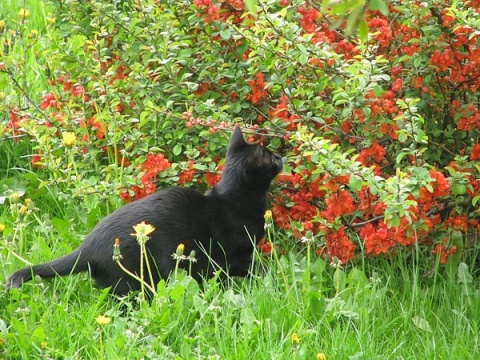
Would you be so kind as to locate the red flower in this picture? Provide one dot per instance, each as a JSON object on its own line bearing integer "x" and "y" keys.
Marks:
{"x": 36, "y": 160}
{"x": 208, "y": 10}
{"x": 212, "y": 178}
{"x": 264, "y": 246}
{"x": 373, "y": 155}
{"x": 443, "y": 250}
{"x": 338, "y": 204}
{"x": 308, "y": 19}
{"x": 78, "y": 90}
{"x": 49, "y": 100}
{"x": 152, "y": 165}
{"x": 258, "y": 89}
{"x": 475, "y": 153}
{"x": 186, "y": 175}
{"x": 281, "y": 112}
{"x": 97, "y": 126}
{"x": 378, "y": 240}
{"x": 339, "y": 245}
{"x": 440, "y": 186}
{"x": 397, "y": 85}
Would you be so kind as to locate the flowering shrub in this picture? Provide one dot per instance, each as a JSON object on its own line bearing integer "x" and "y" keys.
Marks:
{"x": 380, "y": 129}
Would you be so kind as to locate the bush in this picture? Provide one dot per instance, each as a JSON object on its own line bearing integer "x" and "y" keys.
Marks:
{"x": 379, "y": 129}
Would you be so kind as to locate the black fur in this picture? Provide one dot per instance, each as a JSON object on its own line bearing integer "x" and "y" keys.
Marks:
{"x": 225, "y": 222}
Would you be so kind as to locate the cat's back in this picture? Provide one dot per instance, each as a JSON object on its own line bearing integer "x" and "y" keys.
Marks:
{"x": 165, "y": 209}
{"x": 173, "y": 202}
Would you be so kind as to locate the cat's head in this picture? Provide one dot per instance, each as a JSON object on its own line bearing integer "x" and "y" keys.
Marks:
{"x": 250, "y": 164}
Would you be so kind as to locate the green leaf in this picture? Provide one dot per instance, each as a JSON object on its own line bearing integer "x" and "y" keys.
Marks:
{"x": 400, "y": 157}
{"x": 422, "y": 324}
{"x": 316, "y": 305}
{"x": 251, "y": 5}
{"x": 226, "y": 34}
{"x": 247, "y": 317}
{"x": 177, "y": 149}
{"x": 402, "y": 137}
{"x": 362, "y": 30}
{"x": 464, "y": 276}
{"x": 475, "y": 200}
{"x": 394, "y": 221}
{"x": 357, "y": 278}
{"x": 379, "y": 5}
{"x": 355, "y": 183}
{"x": 339, "y": 280}
{"x": 459, "y": 189}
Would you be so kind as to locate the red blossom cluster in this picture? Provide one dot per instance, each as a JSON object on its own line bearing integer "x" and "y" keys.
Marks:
{"x": 149, "y": 169}
{"x": 443, "y": 250}
{"x": 222, "y": 10}
{"x": 49, "y": 100}
{"x": 339, "y": 245}
{"x": 297, "y": 208}
{"x": 280, "y": 111}
{"x": 308, "y": 19}
{"x": 187, "y": 176}
{"x": 374, "y": 156}
{"x": 258, "y": 92}
{"x": 14, "y": 125}
{"x": 95, "y": 126}
{"x": 475, "y": 153}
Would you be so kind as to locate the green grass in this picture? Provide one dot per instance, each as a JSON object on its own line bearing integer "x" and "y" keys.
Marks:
{"x": 389, "y": 317}
{"x": 27, "y": 41}
{"x": 387, "y": 310}
{"x": 384, "y": 309}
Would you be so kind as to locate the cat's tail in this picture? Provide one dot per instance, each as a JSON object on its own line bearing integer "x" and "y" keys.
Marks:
{"x": 69, "y": 264}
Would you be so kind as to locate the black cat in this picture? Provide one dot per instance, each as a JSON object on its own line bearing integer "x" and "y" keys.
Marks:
{"x": 222, "y": 227}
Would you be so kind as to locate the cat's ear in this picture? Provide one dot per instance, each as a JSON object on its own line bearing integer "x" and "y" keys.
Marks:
{"x": 237, "y": 139}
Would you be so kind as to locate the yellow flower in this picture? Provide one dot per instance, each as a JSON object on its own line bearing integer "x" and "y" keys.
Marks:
{"x": 43, "y": 345}
{"x": 143, "y": 229}
{"x": 24, "y": 13}
{"x": 2, "y": 227}
{"x": 268, "y": 215}
{"x": 180, "y": 249}
{"x": 30, "y": 204}
{"x": 103, "y": 320}
{"x": 69, "y": 138}
{"x": 23, "y": 210}
{"x": 321, "y": 356}
{"x": 295, "y": 339}
{"x": 2, "y": 25}
{"x": 14, "y": 196}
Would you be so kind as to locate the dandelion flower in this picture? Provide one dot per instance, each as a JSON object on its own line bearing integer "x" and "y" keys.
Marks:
{"x": 321, "y": 356}
{"x": 2, "y": 228}
{"x": 143, "y": 229}
{"x": 24, "y": 13}
{"x": 23, "y": 210}
{"x": 180, "y": 249}
{"x": 295, "y": 339}
{"x": 268, "y": 215}
{"x": 103, "y": 320}
{"x": 69, "y": 138}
